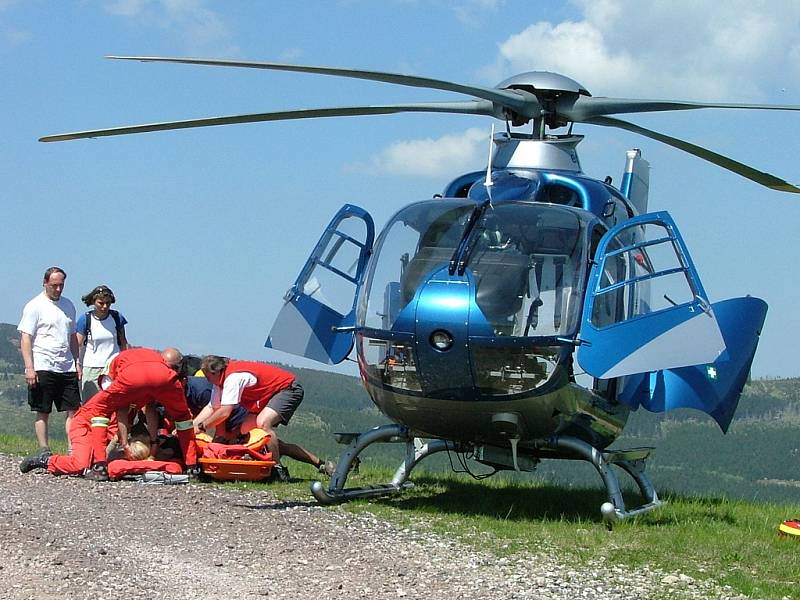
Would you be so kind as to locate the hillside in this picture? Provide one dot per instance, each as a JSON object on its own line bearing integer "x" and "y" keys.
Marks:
{"x": 757, "y": 459}
{"x": 10, "y": 358}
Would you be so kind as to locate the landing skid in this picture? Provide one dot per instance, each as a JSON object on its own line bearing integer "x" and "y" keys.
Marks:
{"x": 563, "y": 447}
{"x": 631, "y": 461}
{"x": 416, "y": 450}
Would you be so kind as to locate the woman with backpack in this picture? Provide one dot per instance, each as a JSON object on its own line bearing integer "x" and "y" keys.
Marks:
{"x": 101, "y": 336}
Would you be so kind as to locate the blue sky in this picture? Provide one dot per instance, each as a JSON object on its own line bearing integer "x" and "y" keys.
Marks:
{"x": 200, "y": 232}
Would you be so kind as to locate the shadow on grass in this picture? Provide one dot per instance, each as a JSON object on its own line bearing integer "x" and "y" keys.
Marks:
{"x": 524, "y": 502}
{"x": 510, "y": 502}
{"x": 278, "y": 505}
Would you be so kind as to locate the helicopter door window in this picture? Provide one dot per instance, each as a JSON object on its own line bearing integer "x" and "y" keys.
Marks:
{"x": 646, "y": 275}
{"x": 332, "y": 280}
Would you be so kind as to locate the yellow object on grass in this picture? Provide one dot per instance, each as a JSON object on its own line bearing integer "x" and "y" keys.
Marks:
{"x": 790, "y": 527}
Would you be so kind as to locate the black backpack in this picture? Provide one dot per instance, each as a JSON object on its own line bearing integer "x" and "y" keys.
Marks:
{"x": 88, "y": 328}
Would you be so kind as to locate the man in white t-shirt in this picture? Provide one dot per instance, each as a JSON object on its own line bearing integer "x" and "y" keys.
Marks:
{"x": 49, "y": 348}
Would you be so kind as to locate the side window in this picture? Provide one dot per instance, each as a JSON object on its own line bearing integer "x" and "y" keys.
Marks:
{"x": 609, "y": 304}
{"x": 615, "y": 212}
{"x": 643, "y": 271}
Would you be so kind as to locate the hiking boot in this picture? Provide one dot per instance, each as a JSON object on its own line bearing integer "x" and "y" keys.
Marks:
{"x": 327, "y": 467}
{"x": 193, "y": 472}
{"x": 98, "y": 472}
{"x": 37, "y": 460}
{"x": 280, "y": 473}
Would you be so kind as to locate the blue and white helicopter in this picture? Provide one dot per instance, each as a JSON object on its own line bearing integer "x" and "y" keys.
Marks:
{"x": 522, "y": 313}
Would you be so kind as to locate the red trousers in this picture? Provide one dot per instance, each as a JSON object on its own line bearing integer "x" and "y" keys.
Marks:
{"x": 80, "y": 438}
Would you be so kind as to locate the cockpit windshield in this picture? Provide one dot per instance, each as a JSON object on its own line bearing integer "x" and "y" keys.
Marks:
{"x": 419, "y": 238}
{"x": 527, "y": 260}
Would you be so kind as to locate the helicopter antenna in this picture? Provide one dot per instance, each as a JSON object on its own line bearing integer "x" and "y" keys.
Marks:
{"x": 488, "y": 181}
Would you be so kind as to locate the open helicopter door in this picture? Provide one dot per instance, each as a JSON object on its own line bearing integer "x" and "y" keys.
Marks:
{"x": 318, "y": 316}
{"x": 645, "y": 307}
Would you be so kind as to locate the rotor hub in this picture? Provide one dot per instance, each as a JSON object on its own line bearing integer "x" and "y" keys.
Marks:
{"x": 547, "y": 88}
{"x": 538, "y": 82}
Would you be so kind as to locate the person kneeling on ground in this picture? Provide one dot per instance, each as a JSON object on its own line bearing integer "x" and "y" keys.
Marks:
{"x": 139, "y": 377}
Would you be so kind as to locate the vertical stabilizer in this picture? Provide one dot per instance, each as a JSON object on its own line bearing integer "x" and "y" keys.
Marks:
{"x": 636, "y": 180}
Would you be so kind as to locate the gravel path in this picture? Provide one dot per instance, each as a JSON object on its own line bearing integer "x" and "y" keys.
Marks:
{"x": 63, "y": 538}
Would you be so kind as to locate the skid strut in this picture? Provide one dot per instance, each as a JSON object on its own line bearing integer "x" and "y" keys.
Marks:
{"x": 631, "y": 461}
{"x": 416, "y": 450}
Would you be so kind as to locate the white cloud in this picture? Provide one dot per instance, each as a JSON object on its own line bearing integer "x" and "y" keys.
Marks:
{"x": 452, "y": 153}
{"x": 470, "y": 12}
{"x": 735, "y": 50}
{"x": 576, "y": 49}
{"x": 197, "y": 26}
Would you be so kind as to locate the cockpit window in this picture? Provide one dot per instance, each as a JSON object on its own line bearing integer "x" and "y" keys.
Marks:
{"x": 529, "y": 267}
{"x": 420, "y": 238}
{"x": 527, "y": 259}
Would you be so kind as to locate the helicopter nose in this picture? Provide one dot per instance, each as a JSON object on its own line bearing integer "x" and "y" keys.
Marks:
{"x": 441, "y": 323}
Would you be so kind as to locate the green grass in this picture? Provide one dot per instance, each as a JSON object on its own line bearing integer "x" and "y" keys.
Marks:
{"x": 731, "y": 542}
{"x": 15, "y": 444}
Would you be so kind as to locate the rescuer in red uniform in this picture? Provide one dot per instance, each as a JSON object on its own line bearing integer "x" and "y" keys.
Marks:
{"x": 139, "y": 377}
{"x": 269, "y": 394}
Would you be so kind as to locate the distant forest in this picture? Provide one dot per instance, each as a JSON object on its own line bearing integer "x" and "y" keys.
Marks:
{"x": 759, "y": 458}
{"x": 10, "y": 358}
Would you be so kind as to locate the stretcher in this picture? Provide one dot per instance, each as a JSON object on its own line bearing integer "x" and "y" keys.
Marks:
{"x": 236, "y": 462}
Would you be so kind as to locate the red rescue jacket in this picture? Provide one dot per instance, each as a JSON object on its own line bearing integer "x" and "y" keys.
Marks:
{"x": 269, "y": 381}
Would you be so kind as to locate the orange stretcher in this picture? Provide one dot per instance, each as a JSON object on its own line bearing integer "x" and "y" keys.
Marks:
{"x": 236, "y": 462}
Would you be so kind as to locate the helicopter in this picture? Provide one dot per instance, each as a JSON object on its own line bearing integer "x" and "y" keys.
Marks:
{"x": 476, "y": 314}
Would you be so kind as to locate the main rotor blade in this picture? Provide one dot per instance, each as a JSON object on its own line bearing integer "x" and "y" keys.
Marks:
{"x": 505, "y": 98}
{"x": 764, "y": 179}
{"x": 584, "y": 107}
{"x": 470, "y": 107}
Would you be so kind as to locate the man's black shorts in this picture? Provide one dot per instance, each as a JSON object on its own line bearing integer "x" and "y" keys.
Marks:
{"x": 286, "y": 401}
{"x": 61, "y": 389}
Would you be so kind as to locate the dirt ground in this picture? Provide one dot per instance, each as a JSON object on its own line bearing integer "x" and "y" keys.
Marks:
{"x": 64, "y": 537}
